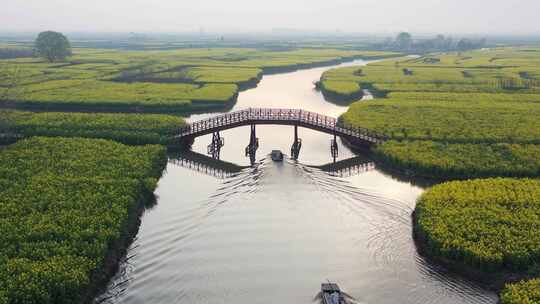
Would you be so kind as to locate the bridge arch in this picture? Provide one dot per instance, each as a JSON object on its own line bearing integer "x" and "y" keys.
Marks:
{"x": 269, "y": 116}
{"x": 358, "y": 137}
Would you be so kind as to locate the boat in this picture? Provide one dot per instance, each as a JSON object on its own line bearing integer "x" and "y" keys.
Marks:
{"x": 276, "y": 155}
{"x": 331, "y": 294}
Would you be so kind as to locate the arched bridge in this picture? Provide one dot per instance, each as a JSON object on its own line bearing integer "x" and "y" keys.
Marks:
{"x": 264, "y": 116}
{"x": 292, "y": 117}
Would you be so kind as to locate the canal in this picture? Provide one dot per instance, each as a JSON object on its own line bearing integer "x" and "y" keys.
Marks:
{"x": 273, "y": 232}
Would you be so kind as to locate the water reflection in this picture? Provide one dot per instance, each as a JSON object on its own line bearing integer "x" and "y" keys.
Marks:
{"x": 205, "y": 164}
{"x": 272, "y": 232}
{"x": 222, "y": 169}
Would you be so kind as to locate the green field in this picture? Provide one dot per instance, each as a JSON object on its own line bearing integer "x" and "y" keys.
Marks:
{"x": 475, "y": 71}
{"x": 456, "y": 121}
{"x": 463, "y": 116}
{"x": 67, "y": 204}
{"x": 448, "y": 116}
{"x": 526, "y": 292}
{"x": 152, "y": 81}
{"x": 469, "y": 109}
{"x": 461, "y": 160}
{"x": 513, "y": 70}
{"x": 491, "y": 224}
{"x": 133, "y": 129}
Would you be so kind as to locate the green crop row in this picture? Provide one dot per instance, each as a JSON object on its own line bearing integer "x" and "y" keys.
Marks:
{"x": 153, "y": 97}
{"x": 66, "y": 206}
{"x": 491, "y": 71}
{"x": 464, "y": 97}
{"x": 208, "y": 75}
{"x": 526, "y": 292}
{"x": 133, "y": 129}
{"x": 457, "y": 121}
{"x": 490, "y": 224}
{"x": 154, "y": 81}
{"x": 447, "y": 161}
{"x": 476, "y": 111}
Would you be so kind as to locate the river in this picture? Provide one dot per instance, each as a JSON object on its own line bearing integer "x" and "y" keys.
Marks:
{"x": 273, "y": 232}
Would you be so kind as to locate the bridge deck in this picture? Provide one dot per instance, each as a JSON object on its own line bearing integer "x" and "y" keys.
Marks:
{"x": 297, "y": 117}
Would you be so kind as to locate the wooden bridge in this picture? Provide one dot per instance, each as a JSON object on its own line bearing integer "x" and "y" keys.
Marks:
{"x": 292, "y": 117}
{"x": 355, "y": 136}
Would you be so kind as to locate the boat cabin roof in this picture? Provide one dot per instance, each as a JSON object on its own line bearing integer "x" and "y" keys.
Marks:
{"x": 329, "y": 287}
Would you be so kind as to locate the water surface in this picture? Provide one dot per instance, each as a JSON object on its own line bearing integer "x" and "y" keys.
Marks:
{"x": 273, "y": 232}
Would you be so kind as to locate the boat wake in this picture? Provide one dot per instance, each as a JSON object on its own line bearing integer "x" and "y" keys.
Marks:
{"x": 279, "y": 220}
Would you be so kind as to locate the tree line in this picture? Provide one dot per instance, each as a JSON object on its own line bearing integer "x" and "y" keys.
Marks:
{"x": 404, "y": 42}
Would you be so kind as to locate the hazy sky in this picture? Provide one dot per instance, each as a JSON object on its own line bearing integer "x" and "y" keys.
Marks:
{"x": 445, "y": 16}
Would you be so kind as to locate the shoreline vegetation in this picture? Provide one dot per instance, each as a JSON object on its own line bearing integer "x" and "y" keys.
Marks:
{"x": 78, "y": 158}
{"x": 452, "y": 116}
{"x": 180, "y": 81}
{"x": 69, "y": 210}
{"x": 131, "y": 122}
{"x": 130, "y": 129}
{"x": 473, "y": 117}
{"x": 336, "y": 87}
{"x": 488, "y": 87}
{"x": 492, "y": 238}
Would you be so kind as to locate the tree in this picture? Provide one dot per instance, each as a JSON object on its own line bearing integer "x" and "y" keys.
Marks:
{"x": 52, "y": 46}
{"x": 465, "y": 44}
{"x": 404, "y": 41}
{"x": 440, "y": 42}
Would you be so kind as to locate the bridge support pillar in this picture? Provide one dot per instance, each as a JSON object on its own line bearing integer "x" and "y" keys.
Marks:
{"x": 297, "y": 144}
{"x": 334, "y": 148}
{"x": 214, "y": 148}
{"x": 253, "y": 146}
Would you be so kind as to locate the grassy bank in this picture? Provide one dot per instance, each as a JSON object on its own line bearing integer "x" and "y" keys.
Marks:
{"x": 342, "y": 84}
{"x": 132, "y": 129}
{"x": 490, "y": 224}
{"x": 452, "y": 122}
{"x": 181, "y": 80}
{"x": 447, "y": 161}
{"x": 523, "y": 292}
{"x": 66, "y": 208}
{"x": 454, "y": 115}
{"x": 463, "y": 116}
{"x": 485, "y": 228}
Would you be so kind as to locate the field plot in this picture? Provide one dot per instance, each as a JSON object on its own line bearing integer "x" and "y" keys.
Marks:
{"x": 451, "y": 122}
{"x": 523, "y": 292}
{"x": 67, "y": 207}
{"x": 456, "y": 115}
{"x": 461, "y": 160}
{"x": 492, "y": 71}
{"x": 490, "y": 225}
{"x": 153, "y": 81}
{"x": 132, "y": 129}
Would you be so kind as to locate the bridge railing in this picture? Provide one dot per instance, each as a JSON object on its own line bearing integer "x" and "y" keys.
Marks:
{"x": 295, "y": 115}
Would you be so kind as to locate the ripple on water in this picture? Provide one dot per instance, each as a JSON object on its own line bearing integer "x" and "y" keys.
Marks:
{"x": 275, "y": 231}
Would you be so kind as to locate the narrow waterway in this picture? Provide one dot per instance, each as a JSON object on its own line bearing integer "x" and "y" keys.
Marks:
{"x": 273, "y": 232}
